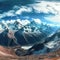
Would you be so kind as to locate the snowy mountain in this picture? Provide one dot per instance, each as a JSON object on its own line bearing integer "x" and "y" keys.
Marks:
{"x": 54, "y": 40}
{"x": 50, "y": 44}
{"x": 18, "y": 24}
{"x": 28, "y": 32}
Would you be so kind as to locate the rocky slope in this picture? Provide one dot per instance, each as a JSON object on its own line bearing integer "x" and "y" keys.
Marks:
{"x": 8, "y": 54}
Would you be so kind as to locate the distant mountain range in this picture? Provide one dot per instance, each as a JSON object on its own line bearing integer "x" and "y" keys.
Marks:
{"x": 30, "y": 33}
{"x": 26, "y": 32}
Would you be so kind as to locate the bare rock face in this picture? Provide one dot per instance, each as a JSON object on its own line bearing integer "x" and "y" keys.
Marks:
{"x": 9, "y": 54}
{"x": 11, "y": 34}
{"x": 6, "y": 51}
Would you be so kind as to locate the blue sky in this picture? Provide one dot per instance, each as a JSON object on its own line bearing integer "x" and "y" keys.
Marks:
{"x": 47, "y": 11}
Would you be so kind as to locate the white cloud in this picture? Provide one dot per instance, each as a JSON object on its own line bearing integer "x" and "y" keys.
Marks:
{"x": 55, "y": 18}
{"x": 43, "y": 6}
{"x": 24, "y": 9}
{"x": 46, "y": 7}
{"x": 25, "y": 22}
{"x": 9, "y": 13}
{"x": 2, "y": 15}
{"x": 37, "y": 21}
{"x": 16, "y": 7}
{"x": 16, "y": 10}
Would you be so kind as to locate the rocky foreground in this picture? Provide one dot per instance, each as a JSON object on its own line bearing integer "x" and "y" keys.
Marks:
{"x": 9, "y": 54}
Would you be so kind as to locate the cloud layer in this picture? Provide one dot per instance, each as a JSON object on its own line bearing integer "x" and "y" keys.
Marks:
{"x": 50, "y": 11}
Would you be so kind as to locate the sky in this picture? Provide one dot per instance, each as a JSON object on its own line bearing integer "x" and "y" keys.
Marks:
{"x": 47, "y": 11}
